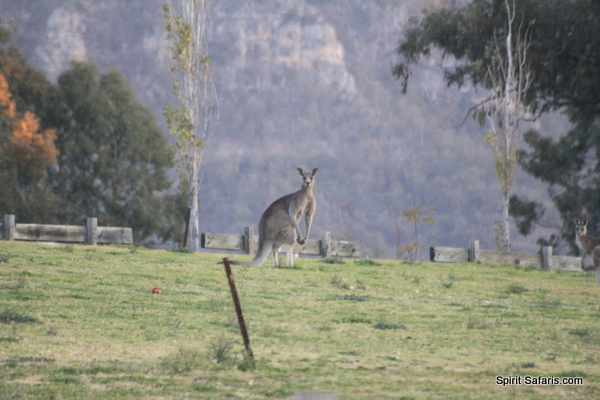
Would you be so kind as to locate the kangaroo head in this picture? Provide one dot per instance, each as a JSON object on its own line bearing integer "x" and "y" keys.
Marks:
{"x": 308, "y": 177}
{"x": 580, "y": 226}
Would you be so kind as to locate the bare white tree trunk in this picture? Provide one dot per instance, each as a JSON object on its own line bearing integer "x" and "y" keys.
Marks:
{"x": 505, "y": 223}
{"x": 193, "y": 232}
{"x": 510, "y": 80}
{"x": 188, "y": 30}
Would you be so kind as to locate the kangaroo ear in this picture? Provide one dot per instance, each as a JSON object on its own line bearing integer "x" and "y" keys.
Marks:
{"x": 314, "y": 171}
{"x": 300, "y": 171}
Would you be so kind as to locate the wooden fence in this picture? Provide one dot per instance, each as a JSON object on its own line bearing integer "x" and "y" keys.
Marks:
{"x": 91, "y": 234}
{"x": 544, "y": 260}
{"x": 248, "y": 242}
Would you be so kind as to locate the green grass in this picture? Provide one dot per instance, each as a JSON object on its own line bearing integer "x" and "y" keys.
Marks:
{"x": 81, "y": 322}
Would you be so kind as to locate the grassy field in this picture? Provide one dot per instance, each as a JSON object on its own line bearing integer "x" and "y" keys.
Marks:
{"x": 81, "y": 322}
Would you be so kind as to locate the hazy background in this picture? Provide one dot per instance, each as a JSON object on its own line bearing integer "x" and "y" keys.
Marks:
{"x": 304, "y": 83}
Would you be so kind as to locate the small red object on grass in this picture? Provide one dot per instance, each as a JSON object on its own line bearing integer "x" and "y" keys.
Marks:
{"x": 156, "y": 290}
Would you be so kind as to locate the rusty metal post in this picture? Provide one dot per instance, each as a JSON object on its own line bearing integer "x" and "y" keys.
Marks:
{"x": 238, "y": 308}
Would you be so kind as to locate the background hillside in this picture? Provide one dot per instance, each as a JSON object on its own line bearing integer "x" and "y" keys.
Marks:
{"x": 304, "y": 83}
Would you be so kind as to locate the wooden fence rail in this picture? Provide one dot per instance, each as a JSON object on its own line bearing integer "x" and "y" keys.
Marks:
{"x": 248, "y": 242}
{"x": 544, "y": 260}
{"x": 91, "y": 234}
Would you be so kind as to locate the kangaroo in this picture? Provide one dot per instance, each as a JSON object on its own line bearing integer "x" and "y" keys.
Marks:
{"x": 585, "y": 242}
{"x": 278, "y": 225}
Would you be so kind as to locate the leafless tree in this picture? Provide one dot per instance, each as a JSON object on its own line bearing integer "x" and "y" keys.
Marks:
{"x": 194, "y": 119}
{"x": 509, "y": 78}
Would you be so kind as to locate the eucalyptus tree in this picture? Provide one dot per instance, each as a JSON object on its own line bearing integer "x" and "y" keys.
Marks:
{"x": 194, "y": 119}
{"x": 113, "y": 158}
{"x": 563, "y": 56}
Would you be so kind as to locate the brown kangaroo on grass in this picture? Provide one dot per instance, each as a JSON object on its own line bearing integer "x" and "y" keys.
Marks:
{"x": 278, "y": 225}
{"x": 585, "y": 242}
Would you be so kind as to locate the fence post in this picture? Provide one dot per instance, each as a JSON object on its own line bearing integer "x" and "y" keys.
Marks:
{"x": 326, "y": 245}
{"x": 91, "y": 234}
{"x": 474, "y": 251}
{"x": 596, "y": 260}
{"x": 9, "y": 227}
{"x": 547, "y": 258}
{"x": 248, "y": 242}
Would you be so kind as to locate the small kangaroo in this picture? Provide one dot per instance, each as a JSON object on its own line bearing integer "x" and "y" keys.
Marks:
{"x": 585, "y": 242}
{"x": 278, "y": 225}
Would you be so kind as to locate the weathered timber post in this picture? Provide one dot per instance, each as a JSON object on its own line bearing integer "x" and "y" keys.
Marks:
{"x": 248, "y": 242}
{"x": 547, "y": 258}
{"x": 238, "y": 308}
{"x": 474, "y": 251}
{"x": 326, "y": 245}
{"x": 596, "y": 260}
{"x": 9, "y": 227}
{"x": 91, "y": 232}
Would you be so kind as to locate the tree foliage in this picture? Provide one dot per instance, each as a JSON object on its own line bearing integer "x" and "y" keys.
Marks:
{"x": 564, "y": 56}
{"x": 113, "y": 157}
{"x": 564, "y": 46}
{"x": 86, "y": 148}
{"x": 26, "y": 152}
{"x": 27, "y": 138}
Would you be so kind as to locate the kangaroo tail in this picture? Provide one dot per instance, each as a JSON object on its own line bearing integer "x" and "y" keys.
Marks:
{"x": 264, "y": 249}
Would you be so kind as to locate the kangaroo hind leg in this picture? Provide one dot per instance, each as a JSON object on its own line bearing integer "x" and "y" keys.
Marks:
{"x": 289, "y": 256}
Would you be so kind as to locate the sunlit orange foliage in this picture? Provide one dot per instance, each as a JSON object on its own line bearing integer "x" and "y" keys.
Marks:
{"x": 27, "y": 143}
{"x": 5, "y": 98}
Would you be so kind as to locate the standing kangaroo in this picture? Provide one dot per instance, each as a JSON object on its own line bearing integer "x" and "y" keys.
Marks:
{"x": 585, "y": 242}
{"x": 278, "y": 225}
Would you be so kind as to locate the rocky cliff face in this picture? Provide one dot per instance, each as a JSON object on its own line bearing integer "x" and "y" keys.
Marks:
{"x": 270, "y": 38}
{"x": 63, "y": 41}
{"x": 301, "y": 83}
{"x": 276, "y": 37}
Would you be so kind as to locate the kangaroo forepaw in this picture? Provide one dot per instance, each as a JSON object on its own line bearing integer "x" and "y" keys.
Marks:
{"x": 300, "y": 240}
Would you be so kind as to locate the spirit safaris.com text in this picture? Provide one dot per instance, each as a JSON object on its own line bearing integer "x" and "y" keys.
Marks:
{"x": 537, "y": 380}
